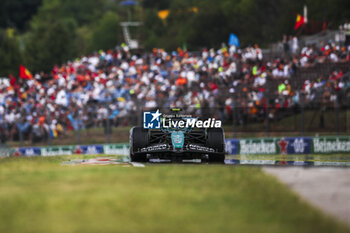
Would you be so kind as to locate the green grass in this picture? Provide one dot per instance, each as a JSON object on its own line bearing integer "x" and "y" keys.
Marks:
{"x": 39, "y": 194}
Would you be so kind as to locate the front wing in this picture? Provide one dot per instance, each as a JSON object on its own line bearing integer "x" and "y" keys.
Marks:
{"x": 166, "y": 148}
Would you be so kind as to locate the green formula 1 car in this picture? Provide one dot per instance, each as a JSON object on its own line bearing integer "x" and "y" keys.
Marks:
{"x": 177, "y": 143}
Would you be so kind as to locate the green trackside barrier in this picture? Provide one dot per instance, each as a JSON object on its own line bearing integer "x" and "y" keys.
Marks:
{"x": 253, "y": 146}
{"x": 331, "y": 144}
{"x": 6, "y": 151}
{"x": 108, "y": 149}
{"x": 116, "y": 149}
{"x": 56, "y": 150}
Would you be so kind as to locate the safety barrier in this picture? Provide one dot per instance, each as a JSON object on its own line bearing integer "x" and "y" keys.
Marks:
{"x": 289, "y": 145}
{"x": 106, "y": 149}
{"x": 246, "y": 146}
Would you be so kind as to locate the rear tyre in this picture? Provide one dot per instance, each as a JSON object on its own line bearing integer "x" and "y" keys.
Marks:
{"x": 138, "y": 140}
{"x": 216, "y": 140}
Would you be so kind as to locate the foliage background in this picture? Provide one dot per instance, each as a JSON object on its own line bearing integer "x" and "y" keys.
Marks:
{"x": 48, "y": 32}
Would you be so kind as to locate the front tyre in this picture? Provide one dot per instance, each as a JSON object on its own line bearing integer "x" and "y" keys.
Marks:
{"x": 138, "y": 140}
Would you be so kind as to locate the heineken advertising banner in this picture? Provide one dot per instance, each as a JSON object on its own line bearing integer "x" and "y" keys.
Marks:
{"x": 250, "y": 146}
{"x": 257, "y": 146}
{"x": 27, "y": 151}
{"x": 6, "y": 151}
{"x": 89, "y": 149}
{"x": 56, "y": 150}
{"x": 331, "y": 144}
{"x": 302, "y": 145}
{"x": 288, "y": 145}
{"x": 108, "y": 149}
{"x": 232, "y": 146}
{"x": 116, "y": 149}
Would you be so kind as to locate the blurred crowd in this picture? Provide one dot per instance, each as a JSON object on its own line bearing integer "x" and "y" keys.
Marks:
{"x": 110, "y": 88}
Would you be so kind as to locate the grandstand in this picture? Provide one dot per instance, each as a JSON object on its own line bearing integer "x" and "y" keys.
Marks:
{"x": 239, "y": 86}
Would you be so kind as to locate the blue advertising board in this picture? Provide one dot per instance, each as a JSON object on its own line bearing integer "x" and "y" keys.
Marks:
{"x": 91, "y": 149}
{"x": 299, "y": 145}
{"x": 28, "y": 151}
{"x": 232, "y": 146}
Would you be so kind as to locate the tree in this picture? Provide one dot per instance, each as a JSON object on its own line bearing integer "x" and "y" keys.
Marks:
{"x": 253, "y": 21}
{"x": 17, "y": 13}
{"x": 84, "y": 11}
{"x": 10, "y": 55}
{"x": 153, "y": 30}
{"x": 156, "y": 4}
{"x": 50, "y": 42}
{"x": 104, "y": 34}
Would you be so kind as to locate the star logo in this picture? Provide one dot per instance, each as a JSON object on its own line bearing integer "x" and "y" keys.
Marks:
{"x": 78, "y": 150}
{"x": 151, "y": 120}
{"x": 17, "y": 153}
{"x": 155, "y": 115}
{"x": 283, "y": 146}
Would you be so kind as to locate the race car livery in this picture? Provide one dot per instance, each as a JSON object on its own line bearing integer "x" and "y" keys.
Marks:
{"x": 177, "y": 143}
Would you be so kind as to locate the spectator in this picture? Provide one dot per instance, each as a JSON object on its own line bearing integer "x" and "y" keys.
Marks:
{"x": 113, "y": 85}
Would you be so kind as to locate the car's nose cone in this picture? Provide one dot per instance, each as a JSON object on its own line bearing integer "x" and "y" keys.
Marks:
{"x": 177, "y": 139}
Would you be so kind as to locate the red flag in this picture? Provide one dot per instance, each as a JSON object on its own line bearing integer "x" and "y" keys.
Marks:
{"x": 24, "y": 73}
{"x": 299, "y": 22}
{"x": 13, "y": 80}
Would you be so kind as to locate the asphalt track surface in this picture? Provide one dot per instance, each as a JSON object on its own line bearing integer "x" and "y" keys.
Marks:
{"x": 327, "y": 188}
{"x": 325, "y": 185}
